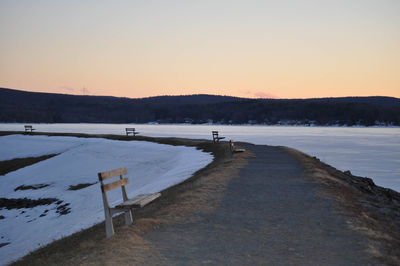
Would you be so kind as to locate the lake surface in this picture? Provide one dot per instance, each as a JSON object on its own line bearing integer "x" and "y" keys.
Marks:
{"x": 367, "y": 152}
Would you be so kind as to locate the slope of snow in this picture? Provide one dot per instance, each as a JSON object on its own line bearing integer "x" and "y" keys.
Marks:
{"x": 151, "y": 168}
{"x": 21, "y": 146}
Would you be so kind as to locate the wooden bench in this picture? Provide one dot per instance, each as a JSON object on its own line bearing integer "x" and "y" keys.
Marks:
{"x": 127, "y": 205}
{"x": 131, "y": 130}
{"x": 233, "y": 149}
{"x": 29, "y": 128}
{"x": 216, "y": 138}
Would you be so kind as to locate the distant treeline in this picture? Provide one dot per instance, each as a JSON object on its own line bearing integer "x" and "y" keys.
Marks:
{"x": 31, "y": 107}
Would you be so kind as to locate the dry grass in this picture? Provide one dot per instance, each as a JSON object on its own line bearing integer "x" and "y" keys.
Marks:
{"x": 361, "y": 208}
{"x": 15, "y": 164}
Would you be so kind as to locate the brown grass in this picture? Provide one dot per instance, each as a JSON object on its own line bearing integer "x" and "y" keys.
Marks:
{"x": 15, "y": 164}
{"x": 361, "y": 208}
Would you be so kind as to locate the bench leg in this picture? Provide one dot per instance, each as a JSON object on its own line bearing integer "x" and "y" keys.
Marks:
{"x": 129, "y": 217}
{"x": 109, "y": 224}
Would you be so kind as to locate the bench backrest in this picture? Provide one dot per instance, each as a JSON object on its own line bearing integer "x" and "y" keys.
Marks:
{"x": 130, "y": 129}
{"x": 121, "y": 182}
{"x": 215, "y": 133}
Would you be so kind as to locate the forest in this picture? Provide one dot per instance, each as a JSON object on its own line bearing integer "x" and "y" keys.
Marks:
{"x": 34, "y": 107}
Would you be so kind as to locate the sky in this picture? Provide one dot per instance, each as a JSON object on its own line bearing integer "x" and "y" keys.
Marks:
{"x": 255, "y": 49}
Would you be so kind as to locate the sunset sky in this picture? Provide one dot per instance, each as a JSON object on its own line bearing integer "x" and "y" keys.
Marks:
{"x": 268, "y": 49}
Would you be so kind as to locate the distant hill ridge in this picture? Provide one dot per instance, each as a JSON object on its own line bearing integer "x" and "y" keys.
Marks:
{"x": 23, "y": 106}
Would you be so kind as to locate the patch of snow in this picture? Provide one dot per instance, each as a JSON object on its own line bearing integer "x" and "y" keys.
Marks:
{"x": 151, "y": 168}
{"x": 19, "y": 146}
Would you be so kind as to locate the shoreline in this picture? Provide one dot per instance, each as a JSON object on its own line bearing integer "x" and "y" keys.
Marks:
{"x": 370, "y": 152}
{"x": 372, "y": 210}
{"x": 206, "y": 124}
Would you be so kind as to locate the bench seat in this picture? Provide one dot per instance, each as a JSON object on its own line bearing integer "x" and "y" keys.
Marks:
{"x": 139, "y": 201}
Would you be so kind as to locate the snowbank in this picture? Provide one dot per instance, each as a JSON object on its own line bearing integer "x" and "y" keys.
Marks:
{"x": 151, "y": 168}
{"x": 22, "y": 146}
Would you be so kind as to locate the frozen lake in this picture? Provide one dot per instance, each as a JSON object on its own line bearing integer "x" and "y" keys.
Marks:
{"x": 367, "y": 152}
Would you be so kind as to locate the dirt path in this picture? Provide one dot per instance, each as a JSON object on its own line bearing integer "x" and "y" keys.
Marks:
{"x": 269, "y": 215}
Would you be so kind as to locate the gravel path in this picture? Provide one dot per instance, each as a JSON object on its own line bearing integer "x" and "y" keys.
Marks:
{"x": 270, "y": 214}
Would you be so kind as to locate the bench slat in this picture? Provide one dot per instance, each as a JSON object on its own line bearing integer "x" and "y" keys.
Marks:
{"x": 138, "y": 198}
{"x": 113, "y": 173}
{"x": 146, "y": 199}
{"x": 149, "y": 199}
{"x": 139, "y": 201}
{"x": 115, "y": 184}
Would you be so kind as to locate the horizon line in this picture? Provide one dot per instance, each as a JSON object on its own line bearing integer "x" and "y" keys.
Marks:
{"x": 199, "y": 94}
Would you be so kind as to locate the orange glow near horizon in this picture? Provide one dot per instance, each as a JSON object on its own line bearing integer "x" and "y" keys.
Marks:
{"x": 254, "y": 49}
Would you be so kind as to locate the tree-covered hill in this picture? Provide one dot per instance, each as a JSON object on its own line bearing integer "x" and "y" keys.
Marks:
{"x": 22, "y": 106}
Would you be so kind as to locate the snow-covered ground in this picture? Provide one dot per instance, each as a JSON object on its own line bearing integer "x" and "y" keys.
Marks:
{"x": 22, "y": 146}
{"x": 151, "y": 168}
